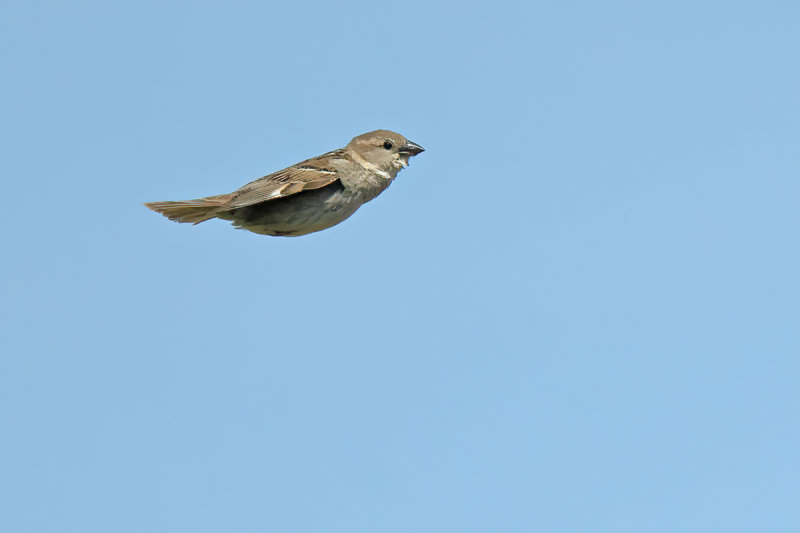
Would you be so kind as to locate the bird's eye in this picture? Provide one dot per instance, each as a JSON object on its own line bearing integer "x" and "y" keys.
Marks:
{"x": 387, "y": 145}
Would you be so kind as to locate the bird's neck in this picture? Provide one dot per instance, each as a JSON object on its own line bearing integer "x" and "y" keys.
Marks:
{"x": 388, "y": 173}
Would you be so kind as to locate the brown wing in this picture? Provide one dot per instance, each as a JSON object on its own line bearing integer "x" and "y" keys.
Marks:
{"x": 313, "y": 173}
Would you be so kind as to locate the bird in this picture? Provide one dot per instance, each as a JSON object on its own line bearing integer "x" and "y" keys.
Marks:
{"x": 307, "y": 197}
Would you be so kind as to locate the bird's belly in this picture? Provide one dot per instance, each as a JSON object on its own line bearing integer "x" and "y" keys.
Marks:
{"x": 298, "y": 214}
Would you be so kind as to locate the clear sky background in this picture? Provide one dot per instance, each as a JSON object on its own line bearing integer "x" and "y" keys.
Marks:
{"x": 577, "y": 311}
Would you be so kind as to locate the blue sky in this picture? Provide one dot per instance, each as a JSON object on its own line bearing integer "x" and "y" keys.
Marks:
{"x": 577, "y": 311}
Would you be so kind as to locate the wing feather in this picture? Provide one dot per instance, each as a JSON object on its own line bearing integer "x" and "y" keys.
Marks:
{"x": 310, "y": 174}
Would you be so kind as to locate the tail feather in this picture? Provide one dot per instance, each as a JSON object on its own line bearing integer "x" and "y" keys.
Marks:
{"x": 195, "y": 211}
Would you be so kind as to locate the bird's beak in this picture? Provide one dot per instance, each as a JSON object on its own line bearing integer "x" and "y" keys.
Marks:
{"x": 411, "y": 148}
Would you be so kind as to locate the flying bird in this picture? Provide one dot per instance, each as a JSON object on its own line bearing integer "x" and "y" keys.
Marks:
{"x": 310, "y": 196}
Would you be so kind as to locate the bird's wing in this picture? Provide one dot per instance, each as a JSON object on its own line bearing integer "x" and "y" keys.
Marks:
{"x": 311, "y": 174}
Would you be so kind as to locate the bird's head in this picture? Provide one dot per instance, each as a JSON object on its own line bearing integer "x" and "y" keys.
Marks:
{"x": 386, "y": 150}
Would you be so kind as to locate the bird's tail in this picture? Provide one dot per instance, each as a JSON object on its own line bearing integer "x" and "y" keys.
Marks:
{"x": 195, "y": 211}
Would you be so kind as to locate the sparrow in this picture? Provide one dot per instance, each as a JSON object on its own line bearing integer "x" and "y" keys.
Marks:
{"x": 310, "y": 196}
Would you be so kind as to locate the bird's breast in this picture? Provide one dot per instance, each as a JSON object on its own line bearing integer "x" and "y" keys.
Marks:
{"x": 366, "y": 185}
